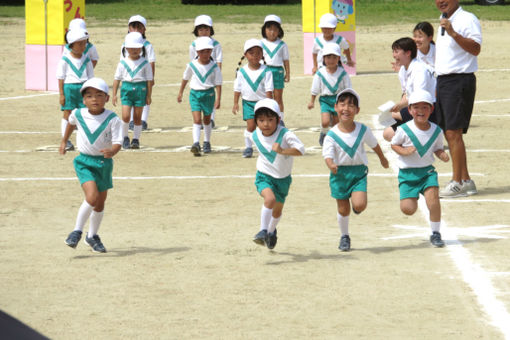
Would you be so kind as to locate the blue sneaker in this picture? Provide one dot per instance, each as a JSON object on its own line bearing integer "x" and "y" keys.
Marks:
{"x": 207, "y": 147}
{"x": 271, "y": 240}
{"x": 345, "y": 243}
{"x": 260, "y": 237}
{"x": 435, "y": 239}
{"x": 69, "y": 146}
{"x": 131, "y": 125}
{"x": 73, "y": 238}
{"x": 248, "y": 152}
{"x": 144, "y": 125}
{"x": 135, "y": 144}
{"x": 213, "y": 125}
{"x": 195, "y": 149}
{"x": 321, "y": 138}
{"x": 95, "y": 243}
{"x": 125, "y": 143}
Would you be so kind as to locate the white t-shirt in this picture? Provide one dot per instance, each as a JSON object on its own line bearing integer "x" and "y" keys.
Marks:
{"x": 202, "y": 77}
{"x": 429, "y": 58}
{"x": 254, "y": 84}
{"x": 133, "y": 70}
{"x": 355, "y": 153}
{"x": 96, "y": 132}
{"x": 418, "y": 76}
{"x": 73, "y": 70}
{"x": 329, "y": 84}
{"x": 275, "y": 52}
{"x": 217, "y": 52}
{"x": 415, "y": 160}
{"x": 270, "y": 162}
{"x": 90, "y": 50}
{"x": 319, "y": 43}
{"x": 150, "y": 55}
{"x": 450, "y": 57}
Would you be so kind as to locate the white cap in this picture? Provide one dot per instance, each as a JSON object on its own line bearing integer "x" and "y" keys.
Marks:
{"x": 252, "y": 43}
{"x": 419, "y": 96}
{"x": 96, "y": 83}
{"x": 77, "y": 35}
{"x": 328, "y": 20}
{"x": 203, "y": 20}
{"x": 272, "y": 17}
{"x": 351, "y": 91}
{"x": 270, "y": 104}
{"x": 77, "y": 23}
{"x": 138, "y": 18}
{"x": 203, "y": 43}
{"x": 331, "y": 48}
{"x": 133, "y": 40}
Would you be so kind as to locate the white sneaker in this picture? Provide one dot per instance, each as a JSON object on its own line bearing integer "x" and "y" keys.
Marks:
{"x": 469, "y": 187}
{"x": 452, "y": 189}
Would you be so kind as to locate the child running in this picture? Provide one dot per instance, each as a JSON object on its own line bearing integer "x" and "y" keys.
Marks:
{"x": 136, "y": 75}
{"x": 73, "y": 70}
{"x": 98, "y": 139}
{"x": 345, "y": 157}
{"x": 328, "y": 82}
{"x": 90, "y": 49}
{"x": 416, "y": 142}
{"x": 205, "y": 76}
{"x": 327, "y": 25}
{"x": 253, "y": 83}
{"x": 276, "y": 55}
{"x": 276, "y": 146}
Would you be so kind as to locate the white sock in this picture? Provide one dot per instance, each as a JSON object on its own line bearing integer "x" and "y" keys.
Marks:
{"x": 196, "y": 133}
{"x": 207, "y": 132}
{"x": 283, "y": 115}
{"x": 247, "y": 139}
{"x": 132, "y": 112}
{"x": 265, "y": 217}
{"x": 213, "y": 114}
{"x": 324, "y": 130}
{"x": 273, "y": 223}
{"x": 137, "y": 131}
{"x": 63, "y": 126}
{"x": 343, "y": 223}
{"x": 83, "y": 215}
{"x": 125, "y": 128}
{"x": 95, "y": 222}
{"x": 435, "y": 226}
{"x": 145, "y": 112}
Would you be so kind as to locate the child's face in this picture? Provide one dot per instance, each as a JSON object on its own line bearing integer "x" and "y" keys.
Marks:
{"x": 137, "y": 28}
{"x": 204, "y": 31}
{"x": 421, "y": 112}
{"x": 254, "y": 55}
{"x": 328, "y": 32}
{"x": 331, "y": 60}
{"x": 204, "y": 56}
{"x": 267, "y": 124}
{"x": 346, "y": 110}
{"x": 79, "y": 46}
{"x": 95, "y": 100}
{"x": 401, "y": 57}
{"x": 272, "y": 32}
{"x": 134, "y": 53}
{"x": 421, "y": 39}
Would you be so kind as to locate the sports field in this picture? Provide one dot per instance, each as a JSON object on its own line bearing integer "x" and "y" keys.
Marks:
{"x": 181, "y": 263}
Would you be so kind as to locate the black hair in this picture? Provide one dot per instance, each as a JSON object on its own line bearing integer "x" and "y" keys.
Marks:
{"x": 426, "y": 28}
{"x": 349, "y": 97}
{"x": 405, "y": 44}
{"x": 264, "y": 111}
{"x": 243, "y": 57}
{"x": 195, "y": 31}
{"x": 124, "y": 51}
{"x": 135, "y": 25}
{"x": 270, "y": 23}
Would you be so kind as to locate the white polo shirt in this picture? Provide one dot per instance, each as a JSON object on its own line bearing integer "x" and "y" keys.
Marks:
{"x": 217, "y": 52}
{"x": 203, "y": 77}
{"x": 255, "y": 84}
{"x": 450, "y": 57}
{"x": 134, "y": 70}
{"x": 275, "y": 52}
{"x": 418, "y": 76}
{"x": 75, "y": 70}
{"x": 429, "y": 58}
{"x": 329, "y": 84}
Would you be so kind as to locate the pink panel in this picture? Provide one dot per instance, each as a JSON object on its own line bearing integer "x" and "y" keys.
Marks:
{"x": 308, "y": 39}
{"x": 35, "y": 67}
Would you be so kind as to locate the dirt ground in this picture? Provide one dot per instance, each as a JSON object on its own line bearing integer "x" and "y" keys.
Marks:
{"x": 178, "y": 229}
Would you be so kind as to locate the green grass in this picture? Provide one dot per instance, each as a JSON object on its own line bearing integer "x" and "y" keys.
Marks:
{"x": 369, "y": 12}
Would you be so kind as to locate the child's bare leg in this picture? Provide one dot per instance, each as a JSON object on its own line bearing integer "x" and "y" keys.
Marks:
{"x": 432, "y": 199}
{"x": 250, "y": 125}
{"x": 388, "y": 133}
{"x": 409, "y": 205}
{"x": 97, "y": 215}
{"x": 65, "y": 119}
{"x": 137, "y": 121}
{"x": 126, "y": 115}
{"x": 359, "y": 201}
{"x": 278, "y": 96}
{"x": 277, "y": 215}
{"x": 325, "y": 121}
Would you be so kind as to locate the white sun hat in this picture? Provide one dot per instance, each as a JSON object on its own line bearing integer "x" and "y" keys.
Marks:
{"x": 328, "y": 20}
{"x": 138, "y": 18}
{"x": 77, "y": 23}
{"x": 331, "y": 48}
{"x": 419, "y": 96}
{"x": 351, "y": 91}
{"x": 270, "y": 104}
{"x": 77, "y": 35}
{"x": 272, "y": 17}
{"x": 252, "y": 43}
{"x": 133, "y": 40}
{"x": 203, "y": 43}
{"x": 203, "y": 20}
{"x": 96, "y": 83}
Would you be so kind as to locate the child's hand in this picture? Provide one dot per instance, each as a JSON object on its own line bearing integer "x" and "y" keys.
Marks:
{"x": 395, "y": 66}
{"x": 287, "y": 78}
{"x": 442, "y": 155}
{"x": 384, "y": 162}
{"x": 235, "y": 109}
{"x": 148, "y": 100}
{"x": 179, "y": 98}
{"x": 114, "y": 100}
{"x": 217, "y": 104}
{"x": 62, "y": 100}
{"x": 311, "y": 105}
{"x": 314, "y": 69}
{"x": 350, "y": 63}
{"x": 62, "y": 148}
{"x": 333, "y": 168}
{"x": 277, "y": 148}
{"x": 408, "y": 150}
{"x": 108, "y": 153}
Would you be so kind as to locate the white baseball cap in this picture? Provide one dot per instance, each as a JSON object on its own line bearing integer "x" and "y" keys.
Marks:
{"x": 138, "y": 18}
{"x": 203, "y": 43}
{"x": 77, "y": 35}
{"x": 419, "y": 96}
{"x": 272, "y": 17}
{"x": 270, "y": 104}
{"x": 331, "y": 48}
{"x": 77, "y": 23}
{"x": 203, "y": 20}
{"x": 96, "y": 83}
{"x": 252, "y": 43}
{"x": 133, "y": 40}
{"x": 351, "y": 91}
{"x": 328, "y": 20}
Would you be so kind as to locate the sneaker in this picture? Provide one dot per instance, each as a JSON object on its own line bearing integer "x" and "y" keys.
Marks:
{"x": 452, "y": 189}
{"x": 260, "y": 237}
{"x": 345, "y": 243}
{"x": 321, "y": 138}
{"x": 469, "y": 187}
{"x": 125, "y": 143}
{"x": 207, "y": 147}
{"x": 69, "y": 146}
{"x": 135, "y": 144}
{"x": 73, "y": 238}
{"x": 95, "y": 243}
{"x": 144, "y": 125}
{"x": 195, "y": 149}
{"x": 248, "y": 152}
{"x": 213, "y": 125}
{"x": 131, "y": 125}
{"x": 271, "y": 240}
{"x": 435, "y": 239}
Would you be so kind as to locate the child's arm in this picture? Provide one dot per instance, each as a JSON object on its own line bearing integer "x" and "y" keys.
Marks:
{"x": 384, "y": 161}
{"x": 331, "y": 165}
{"x": 286, "y": 66}
{"x": 114, "y": 93}
{"x": 219, "y": 64}
{"x": 153, "y": 66}
{"x": 148, "y": 100}
{"x": 109, "y": 153}
{"x": 235, "y": 109}
{"x": 286, "y": 152}
{"x": 350, "y": 62}
{"x": 311, "y": 104}
{"x": 403, "y": 151}
{"x": 314, "y": 59}
{"x": 181, "y": 90}
{"x": 400, "y": 105}
{"x": 217, "y": 103}
{"x": 69, "y": 130}
{"x": 442, "y": 155}
{"x": 62, "y": 99}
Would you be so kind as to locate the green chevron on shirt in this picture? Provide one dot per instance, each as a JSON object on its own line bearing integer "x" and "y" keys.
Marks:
{"x": 351, "y": 151}
{"x": 422, "y": 149}
{"x": 269, "y": 154}
{"x": 254, "y": 86}
{"x": 205, "y": 76}
{"x": 79, "y": 71}
{"x": 272, "y": 53}
{"x": 92, "y": 137}
{"x": 131, "y": 72}
{"x": 334, "y": 88}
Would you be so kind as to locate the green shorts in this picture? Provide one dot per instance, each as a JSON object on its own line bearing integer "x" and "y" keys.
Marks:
{"x": 248, "y": 109}
{"x": 202, "y": 100}
{"x": 74, "y": 99}
{"x": 133, "y": 94}
{"x": 328, "y": 104}
{"x": 279, "y": 186}
{"x": 94, "y": 168}
{"x": 278, "y": 76}
{"x": 347, "y": 180}
{"x": 413, "y": 181}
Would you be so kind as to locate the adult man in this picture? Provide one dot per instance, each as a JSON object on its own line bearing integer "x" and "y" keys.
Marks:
{"x": 457, "y": 47}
